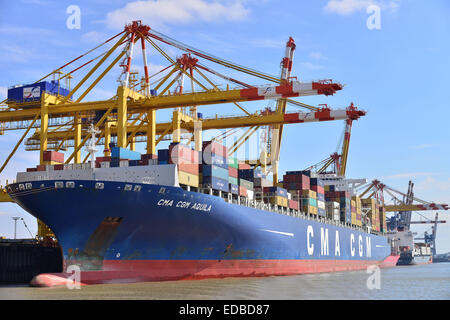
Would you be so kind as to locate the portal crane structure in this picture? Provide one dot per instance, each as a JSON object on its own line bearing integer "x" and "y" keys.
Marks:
{"x": 405, "y": 206}
{"x": 61, "y": 121}
{"x": 430, "y": 239}
{"x": 337, "y": 160}
{"x": 134, "y": 108}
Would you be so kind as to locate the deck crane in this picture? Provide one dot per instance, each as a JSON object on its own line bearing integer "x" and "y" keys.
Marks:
{"x": 133, "y": 110}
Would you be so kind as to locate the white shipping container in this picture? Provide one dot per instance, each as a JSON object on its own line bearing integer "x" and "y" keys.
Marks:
{"x": 123, "y": 163}
{"x": 104, "y": 164}
{"x": 320, "y": 204}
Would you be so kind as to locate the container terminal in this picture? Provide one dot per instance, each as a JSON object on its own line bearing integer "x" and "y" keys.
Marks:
{"x": 193, "y": 210}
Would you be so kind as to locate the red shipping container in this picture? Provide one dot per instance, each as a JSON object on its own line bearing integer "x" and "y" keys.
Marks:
{"x": 40, "y": 167}
{"x": 215, "y": 148}
{"x": 148, "y": 157}
{"x": 103, "y": 159}
{"x": 242, "y": 191}
{"x": 59, "y": 167}
{"x": 293, "y": 204}
{"x": 243, "y": 165}
{"x": 295, "y": 186}
{"x": 53, "y": 156}
{"x": 318, "y": 189}
{"x": 31, "y": 169}
{"x": 233, "y": 172}
{"x": 189, "y": 168}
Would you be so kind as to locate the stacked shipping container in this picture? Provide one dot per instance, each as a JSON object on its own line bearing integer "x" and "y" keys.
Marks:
{"x": 318, "y": 186}
{"x": 343, "y": 197}
{"x": 187, "y": 161}
{"x": 356, "y": 211}
{"x": 215, "y": 171}
{"x": 276, "y": 195}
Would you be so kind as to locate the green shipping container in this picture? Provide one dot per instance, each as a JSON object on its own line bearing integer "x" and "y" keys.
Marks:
{"x": 246, "y": 184}
{"x": 309, "y": 202}
{"x": 233, "y": 162}
{"x": 233, "y": 180}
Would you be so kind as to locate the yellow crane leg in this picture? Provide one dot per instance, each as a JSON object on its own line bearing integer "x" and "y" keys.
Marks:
{"x": 198, "y": 136}
{"x": 4, "y": 196}
{"x": 176, "y": 126}
{"x": 107, "y": 151}
{"x": 133, "y": 144}
{"x": 151, "y": 132}
{"x": 44, "y": 127}
{"x": 122, "y": 117}
{"x": 77, "y": 138}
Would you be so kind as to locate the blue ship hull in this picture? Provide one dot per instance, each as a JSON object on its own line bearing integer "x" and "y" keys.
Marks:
{"x": 154, "y": 232}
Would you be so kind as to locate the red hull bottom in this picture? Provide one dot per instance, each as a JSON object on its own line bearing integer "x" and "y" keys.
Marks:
{"x": 163, "y": 270}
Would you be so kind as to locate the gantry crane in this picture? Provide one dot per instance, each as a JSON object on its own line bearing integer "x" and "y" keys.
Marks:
{"x": 338, "y": 160}
{"x": 59, "y": 119}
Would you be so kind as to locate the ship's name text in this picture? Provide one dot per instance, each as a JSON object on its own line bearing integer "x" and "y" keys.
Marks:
{"x": 185, "y": 205}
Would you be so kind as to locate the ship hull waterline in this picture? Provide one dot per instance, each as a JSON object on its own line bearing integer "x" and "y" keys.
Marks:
{"x": 154, "y": 233}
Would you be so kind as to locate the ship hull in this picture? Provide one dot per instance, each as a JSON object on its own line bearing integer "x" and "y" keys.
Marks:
{"x": 150, "y": 232}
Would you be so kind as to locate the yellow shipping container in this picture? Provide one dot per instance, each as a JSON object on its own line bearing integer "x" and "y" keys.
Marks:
{"x": 188, "y": 179}
{"x": 279, "y": 201}
{"x": 309, "y": 194}
{"x": 309, "y": 209}
{"x": 357, "y": 202}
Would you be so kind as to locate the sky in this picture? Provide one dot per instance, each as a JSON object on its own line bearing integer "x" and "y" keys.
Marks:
{"x": 395, "y": 67}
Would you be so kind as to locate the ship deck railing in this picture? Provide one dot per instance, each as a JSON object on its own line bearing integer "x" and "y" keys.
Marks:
{"x": 296, "y": 213}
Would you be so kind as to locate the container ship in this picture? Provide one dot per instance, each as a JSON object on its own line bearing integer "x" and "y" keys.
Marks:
{"x": 188, "y": 214}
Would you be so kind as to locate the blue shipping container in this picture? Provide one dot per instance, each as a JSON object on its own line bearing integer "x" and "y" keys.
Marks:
{"x": 216, "y": 183}
{"x": 133, "y": 163}
{"x": 114, "y": 163}
{"x": 214, "y": 171}
{"x": 215, "y": 159}
{"x": 234, "y": 189}
{"x": 321, "y": 212}
{"x": 163, "y": 155}
{"x": 316, "y": 182}
{"x": 122, "y": 153}
{"x": 246, "y": 174}
{"x": 278, "y": 191}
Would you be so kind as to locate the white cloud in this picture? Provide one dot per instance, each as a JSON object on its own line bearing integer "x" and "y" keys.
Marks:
{"x": 268, "y": 43}
{"x": 166, "y": 12}
{"x": 26, "y": 31}
{"x": 422, "y": 146}
{"x": 15, "y": 53}
{"x": 317, "y": 56}
{"x": 312, "y": 66}
{"x": 93, "y": 37}
{"x": 348, "y": 7}
{"x": 433, "y": 184}
{"x": 411, "y": 175}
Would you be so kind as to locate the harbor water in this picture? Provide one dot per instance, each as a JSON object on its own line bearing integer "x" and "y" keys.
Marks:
{"x": 416, "y": 282}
